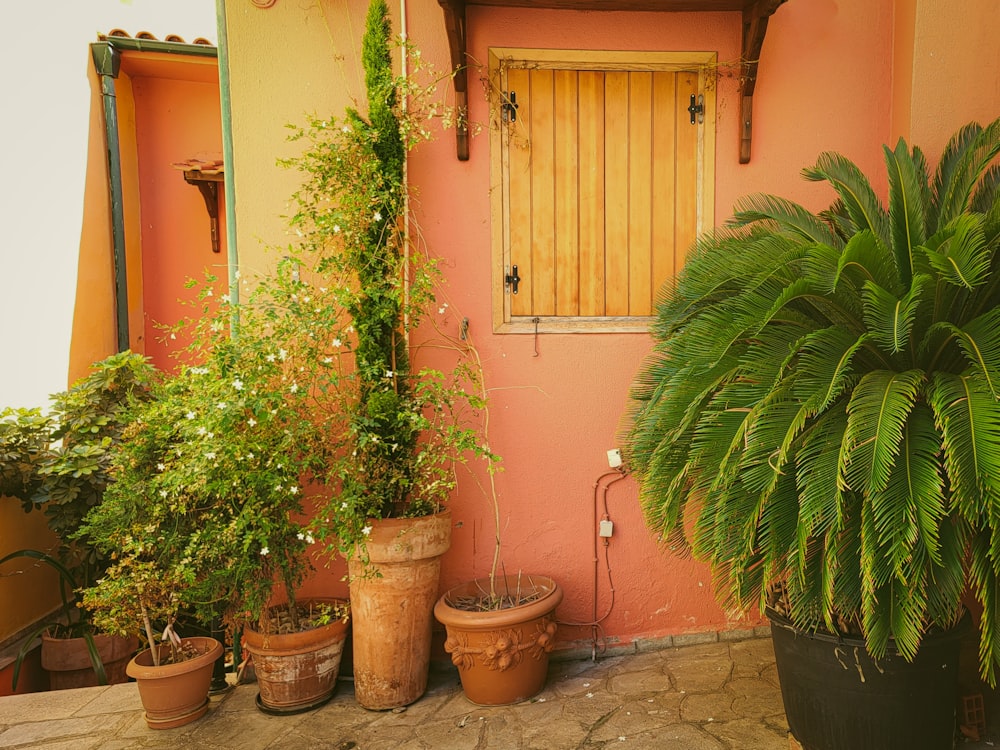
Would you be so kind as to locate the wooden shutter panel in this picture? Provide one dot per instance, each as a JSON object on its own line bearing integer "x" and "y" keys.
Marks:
{"x": 600, "y": 188}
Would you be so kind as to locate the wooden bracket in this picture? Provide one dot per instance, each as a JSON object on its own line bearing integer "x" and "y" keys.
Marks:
{"x": 208, "y": 185}
{"x": 454, "y": 23}
{"x": 755, "y": 17}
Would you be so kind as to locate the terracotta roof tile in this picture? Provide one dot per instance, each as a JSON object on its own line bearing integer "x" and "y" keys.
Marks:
{"x": 150, "y": 37}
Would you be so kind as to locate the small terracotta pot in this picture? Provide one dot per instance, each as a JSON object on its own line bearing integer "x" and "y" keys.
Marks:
{"x": 502, "y": 655}
{"x": 67, "y": 660}
{"x": 391, "y": 608}
{"x": 297, "y": 671}
{"x": 175, "y": 694}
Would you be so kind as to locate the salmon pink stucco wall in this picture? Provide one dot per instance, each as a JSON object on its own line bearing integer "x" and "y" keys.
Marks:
{"x": 825, "y": 83}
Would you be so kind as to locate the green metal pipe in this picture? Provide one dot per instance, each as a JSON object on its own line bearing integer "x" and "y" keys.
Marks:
{"x": 227, "y": 157}
{"x": 107, "y": 62}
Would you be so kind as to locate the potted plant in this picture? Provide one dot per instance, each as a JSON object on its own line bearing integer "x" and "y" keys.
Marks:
{"x": 398, "y": 430}
{"x": 57, "y": 463}
{"x": 819, "y": 421}
{"x": 209, "y": 488}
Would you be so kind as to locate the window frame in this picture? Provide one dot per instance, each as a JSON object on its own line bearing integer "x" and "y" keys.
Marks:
{"x": 701, "y": 62}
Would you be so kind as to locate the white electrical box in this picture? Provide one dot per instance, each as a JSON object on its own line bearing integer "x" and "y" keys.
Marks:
{"x": 607, "y": 527}
{"x": 614, "y": 459}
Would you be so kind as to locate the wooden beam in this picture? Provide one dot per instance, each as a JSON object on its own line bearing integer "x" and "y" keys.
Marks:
{"x": 755, "y": 17}
{"x": 454, "y": 24}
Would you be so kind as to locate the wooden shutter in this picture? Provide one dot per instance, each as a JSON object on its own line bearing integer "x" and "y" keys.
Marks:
{"x": 600, "y": 188}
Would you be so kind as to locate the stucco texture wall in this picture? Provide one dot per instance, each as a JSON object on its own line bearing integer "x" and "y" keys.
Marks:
{"x": 825, "y": 83}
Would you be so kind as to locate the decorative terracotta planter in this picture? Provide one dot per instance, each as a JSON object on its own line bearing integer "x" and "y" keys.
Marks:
{"x": 175, "y": 694}
{"x": 502, "y": 655}
{"x": 391, "y": 608}
{"x": 297, "y": 671}
{"x": 67, "y": 660}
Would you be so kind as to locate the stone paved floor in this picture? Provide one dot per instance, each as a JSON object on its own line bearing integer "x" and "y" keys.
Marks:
{"x": 714, "y": 696}
{"x": 717, "y": 696}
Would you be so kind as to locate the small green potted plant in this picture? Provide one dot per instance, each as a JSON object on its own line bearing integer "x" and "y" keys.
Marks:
{"x": 209, "y": 487}
{"x": 57, "y": 463}
{"x": 820, "y": 421}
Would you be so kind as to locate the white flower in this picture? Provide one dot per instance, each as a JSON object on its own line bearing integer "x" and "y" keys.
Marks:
{"x": 209, "y": 293}
{"x": 163, "y": 493}
{"x": 221, "y": 405}
{"x": 236, "y": 273}
{"x": 250, "y": 456}
{"x": 327, "y": 360}
{"x": 202, "y": 430}
{"x": 264, "y": 551}
{"x": 270, "y": 358}
{"x": 338, "y": 343}
{"x": 173, "y": 336}
{"x": 309, "y": 539}
{"x": 366, "y": 530}
{"x": 378, "y": 216}
{"x": 282, "y": 354}
{"x": 277, "y": 488}
{"x": 346, "y": 128}
{"x": 301, "y": 536}
{"x": 251, "y": 421}
{"x": 441, "y": 310}
{"x": 388, "y": 373}
{"x": 343, "y": 506}
{"x": 294, "y": 490}
{"x": 161, "y": 466}
{"x": 294, "y": 388}
{"x": 336, "y": 228}
{"x": 210, "y": 455}
{"x": 238, "y": 384}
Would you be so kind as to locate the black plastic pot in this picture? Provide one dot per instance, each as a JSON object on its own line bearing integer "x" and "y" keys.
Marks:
{"x": 838, "y": 698}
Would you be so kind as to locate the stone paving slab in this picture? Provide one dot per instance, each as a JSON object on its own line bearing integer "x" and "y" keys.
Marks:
{"x": 707, "y": 695}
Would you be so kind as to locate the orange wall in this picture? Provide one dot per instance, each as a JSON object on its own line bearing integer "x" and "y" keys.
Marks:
{"x": 175, "y": 120}
{"x": 825, "y": 83}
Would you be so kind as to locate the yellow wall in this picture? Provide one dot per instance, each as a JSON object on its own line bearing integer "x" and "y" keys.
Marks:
{"x": 28, "y": 591}
{"x": 956, "y": 69}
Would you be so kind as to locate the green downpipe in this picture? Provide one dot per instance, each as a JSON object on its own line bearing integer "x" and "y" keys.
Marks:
{"x": 107, "y": 62}
{"x": 229, "y": 185}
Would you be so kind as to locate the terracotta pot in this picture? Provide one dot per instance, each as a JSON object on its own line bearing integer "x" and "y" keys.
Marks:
{"x": 502, "y": 655}
{"x": 175, "y": 694}
{"x": 391, "y": 608}
{"x": 67, "y": 660}
{"x": 297, "y": 671}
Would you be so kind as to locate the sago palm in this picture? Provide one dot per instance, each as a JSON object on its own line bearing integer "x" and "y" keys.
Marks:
{"x": 821, "y": 410}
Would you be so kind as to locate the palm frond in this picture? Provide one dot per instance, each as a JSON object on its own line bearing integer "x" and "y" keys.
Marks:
{"x": 865, "y": 259}
{"x": 972, "y": 158}
{"x": 854, "y": 189}
{"x": 890, "y": 318}
{"x": 963, "y": 259}
{"x": 968, "y": 416}
{"x": 786, "y": 214}
{"x": 906, "y": 206}
{"x": 878, "y": 409}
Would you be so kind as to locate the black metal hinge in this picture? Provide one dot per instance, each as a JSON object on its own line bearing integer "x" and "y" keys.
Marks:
{"x": 511, "y": 280}
{"x": 697, "y": 109}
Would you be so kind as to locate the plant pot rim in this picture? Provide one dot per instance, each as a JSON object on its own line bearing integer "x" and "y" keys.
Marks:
{"x": 550, "y": 598}
{"x": 210, "y": 647}
{"x": 780, "y": 621}
{"x": 256, "y": 640}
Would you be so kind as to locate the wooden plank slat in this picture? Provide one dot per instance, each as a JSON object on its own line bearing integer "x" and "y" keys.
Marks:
{"x": 686, "y": 218}
{"x": 665, "y": 124}
{"x": 543, "y": 260}
{"x": 591, "y": 155}
{"x": 640, "y": 199}
{"x": 616, "y": 185}
{"x": 519, "y": 187}
{"x": 567, "y": 211}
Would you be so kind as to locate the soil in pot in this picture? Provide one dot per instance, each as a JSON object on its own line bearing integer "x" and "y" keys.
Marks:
{"x": 297, "y": 669}
{"x": 175, "y": 694}
{"x": 837, "y": 697}
{"x": 502, "y": 655}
